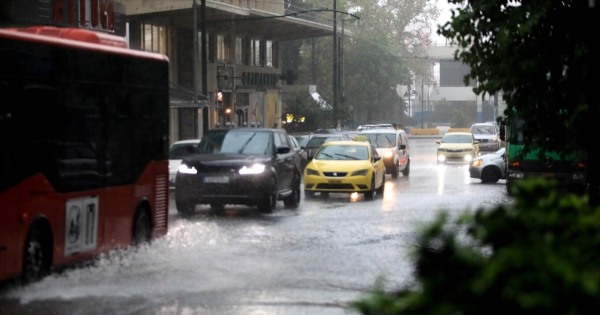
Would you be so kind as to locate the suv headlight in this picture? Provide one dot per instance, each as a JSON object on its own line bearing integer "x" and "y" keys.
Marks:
{"x": 184, "y": 169}
{"x": 388, "y": 154}
{"x": 254, "y": 169}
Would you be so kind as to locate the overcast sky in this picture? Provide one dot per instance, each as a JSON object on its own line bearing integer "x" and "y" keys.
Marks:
{"x": 443, "y": 18}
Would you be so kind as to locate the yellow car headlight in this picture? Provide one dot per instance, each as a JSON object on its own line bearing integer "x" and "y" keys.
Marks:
{"x": 360, "y": 173}
{"x": 310, "y": 171}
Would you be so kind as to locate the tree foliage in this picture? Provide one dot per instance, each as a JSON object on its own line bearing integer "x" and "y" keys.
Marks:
{"x": 306, "y": 114}
{"x": 538, "y": 255}
{"x": 539, "y": 55}
{"x": 378, "y": 51}
{"x": 457, "y": 114}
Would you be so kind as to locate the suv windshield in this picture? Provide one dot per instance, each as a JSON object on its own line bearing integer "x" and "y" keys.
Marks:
{"x": 381, "y": 140}
{"x": 483, "y": 129}
{"x": 236, "y": 141}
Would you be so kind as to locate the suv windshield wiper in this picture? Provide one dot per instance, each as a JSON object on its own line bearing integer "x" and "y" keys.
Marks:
{"x": 388, "y": 140}
{"x": 246, "y": 143}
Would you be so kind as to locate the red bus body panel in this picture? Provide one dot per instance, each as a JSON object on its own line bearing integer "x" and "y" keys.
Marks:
{"x": 35, "y": 197}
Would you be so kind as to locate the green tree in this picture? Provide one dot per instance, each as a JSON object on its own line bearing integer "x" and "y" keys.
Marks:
{"x": 538, "y": 53}
{"x": 374, "y": 55}
{"x": 306, "y": 114}
{"x": 537, "y": 256}
{"x": 458, "y": 114}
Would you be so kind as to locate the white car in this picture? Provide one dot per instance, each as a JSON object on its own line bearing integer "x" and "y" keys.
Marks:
{"x": 177, "y": 152}
{"x": 489, "y": 167}
{"x": 392, "y": 146}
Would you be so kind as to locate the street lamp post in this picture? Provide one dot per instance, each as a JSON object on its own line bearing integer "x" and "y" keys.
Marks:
{"x": 335, "y": 63}
{"x": 422, "y": 109}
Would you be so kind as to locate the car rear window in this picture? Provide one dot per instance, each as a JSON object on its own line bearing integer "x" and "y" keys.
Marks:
{"x": 316, "y": 142}
{"x": 181, "y": 150}
{"x": 382, "y": 140}
{"x": 483, "y": 130}
{"x": 457, "y": 139}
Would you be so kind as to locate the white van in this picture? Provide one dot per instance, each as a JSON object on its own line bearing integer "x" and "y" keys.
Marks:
{"x": 392, "y": 146}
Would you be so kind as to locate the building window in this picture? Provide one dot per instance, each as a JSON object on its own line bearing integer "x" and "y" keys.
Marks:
{"x": 255, "y": 52}
{"x": 269, "y": 54}
{"x": 239, "y": 54}
{"x": 242, "y": 99}
{"x": 154, "y": 38}
{"x": 222, "y": 49}
{"x": 200, "y": 47}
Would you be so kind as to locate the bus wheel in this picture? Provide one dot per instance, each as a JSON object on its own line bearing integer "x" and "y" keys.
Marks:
{"x": 36, "y": 258}
{"x": 142, "y": 231}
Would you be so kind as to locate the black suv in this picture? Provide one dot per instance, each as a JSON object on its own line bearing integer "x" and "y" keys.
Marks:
{"x": 249, "y": 166}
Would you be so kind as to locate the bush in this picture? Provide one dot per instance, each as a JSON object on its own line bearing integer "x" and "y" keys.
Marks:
{"x": 540, "y": 254}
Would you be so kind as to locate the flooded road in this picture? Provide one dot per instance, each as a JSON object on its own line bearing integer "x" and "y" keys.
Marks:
{"x": 315, "y": 259}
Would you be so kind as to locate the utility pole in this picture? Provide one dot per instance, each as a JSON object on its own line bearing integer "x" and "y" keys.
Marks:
{"x": 205, "y": 117}
{"x": 335, "y": 64}
{"x": 422, "y": 103}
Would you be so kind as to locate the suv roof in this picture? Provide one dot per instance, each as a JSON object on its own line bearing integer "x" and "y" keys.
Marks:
{"x": 384, "y": 130}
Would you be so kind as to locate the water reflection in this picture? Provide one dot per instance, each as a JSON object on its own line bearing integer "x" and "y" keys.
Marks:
{"x": 389, "y": 196}
{"x": 441, "y": 172}
{"x": 457, "y": 172}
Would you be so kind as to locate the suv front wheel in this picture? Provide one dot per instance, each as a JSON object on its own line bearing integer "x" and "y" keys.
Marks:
{"x": 269, "y": 201}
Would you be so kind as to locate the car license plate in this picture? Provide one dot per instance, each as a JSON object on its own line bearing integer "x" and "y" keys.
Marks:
{"x": 547, "y": 175}
{"x": 216, "y": 180}
{"x": 335, "y": 181}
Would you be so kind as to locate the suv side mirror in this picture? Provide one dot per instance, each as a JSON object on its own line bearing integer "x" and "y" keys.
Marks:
{"x": 402, "y": 146}
{"x": 283, "y": 149}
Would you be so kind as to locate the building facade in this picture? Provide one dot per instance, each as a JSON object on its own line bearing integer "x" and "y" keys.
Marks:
{"x": 241, "y": 82}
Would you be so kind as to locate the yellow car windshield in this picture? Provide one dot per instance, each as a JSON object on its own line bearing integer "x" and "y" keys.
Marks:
{"x": 343, "y": 152}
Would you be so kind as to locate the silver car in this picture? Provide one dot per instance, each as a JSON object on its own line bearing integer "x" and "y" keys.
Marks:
{"x": 488, "y": 136}
{"x": 489, "y": 167}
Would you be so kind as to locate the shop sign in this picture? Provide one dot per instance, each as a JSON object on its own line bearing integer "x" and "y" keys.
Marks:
{"x": 261, "y": 79}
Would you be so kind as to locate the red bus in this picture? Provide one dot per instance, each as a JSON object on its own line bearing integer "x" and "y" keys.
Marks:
{"x": 83, "y": 150}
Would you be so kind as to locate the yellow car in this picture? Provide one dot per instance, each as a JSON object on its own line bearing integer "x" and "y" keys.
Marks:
{"x": 457, "y": 147}
{"x": 345, "y": 167}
